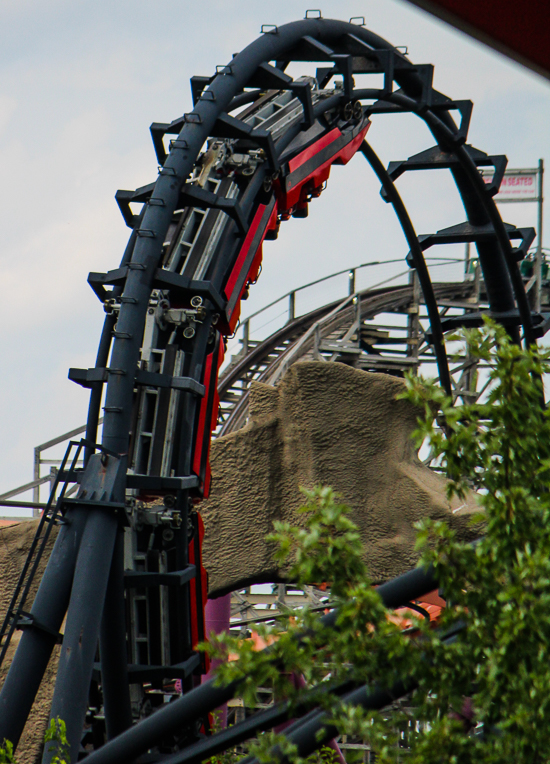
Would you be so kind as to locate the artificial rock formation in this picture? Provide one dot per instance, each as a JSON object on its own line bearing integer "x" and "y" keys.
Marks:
{"x": 324, "y": 423}
{"x": 15, "y": 542}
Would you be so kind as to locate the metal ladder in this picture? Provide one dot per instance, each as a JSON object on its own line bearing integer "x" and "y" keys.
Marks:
{"x": 16, "y": 617}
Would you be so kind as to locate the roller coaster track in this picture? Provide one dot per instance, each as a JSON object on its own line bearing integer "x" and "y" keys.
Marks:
{"x": 324, "y": 334}
{"x": 256, "y": 149}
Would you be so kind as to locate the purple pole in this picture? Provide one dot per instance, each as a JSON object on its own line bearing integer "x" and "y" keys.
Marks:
{"x": 216, "y": 619}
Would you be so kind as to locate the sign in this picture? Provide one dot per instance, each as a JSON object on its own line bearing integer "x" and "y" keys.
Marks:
{"x": 516, "y": 186}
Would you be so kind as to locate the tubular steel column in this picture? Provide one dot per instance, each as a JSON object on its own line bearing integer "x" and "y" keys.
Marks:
{"x": 82, "y": 628}
{"x": 112, "y": 648}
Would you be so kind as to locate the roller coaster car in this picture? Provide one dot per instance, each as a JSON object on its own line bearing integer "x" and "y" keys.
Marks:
{"x": 228, "y": 204}
{"x": 527, "y": 267}
{"x": 305, "y": 169}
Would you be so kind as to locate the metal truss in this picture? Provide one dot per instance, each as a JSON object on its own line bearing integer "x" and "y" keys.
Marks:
{"x": 256, "y": 149}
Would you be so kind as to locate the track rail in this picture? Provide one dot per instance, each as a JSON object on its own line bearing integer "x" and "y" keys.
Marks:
{"x": 296, "y": 341}
{"x": 225, "y": 183}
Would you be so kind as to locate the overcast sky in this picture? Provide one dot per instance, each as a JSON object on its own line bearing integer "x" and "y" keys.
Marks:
{"x": 82, "y": 80}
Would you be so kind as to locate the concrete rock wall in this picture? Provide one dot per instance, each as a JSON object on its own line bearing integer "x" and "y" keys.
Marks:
{"x": 15, "y": 543}
{"x": 324, "y": 423}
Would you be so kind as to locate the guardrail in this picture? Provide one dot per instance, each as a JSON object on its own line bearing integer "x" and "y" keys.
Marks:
{"x": 39, "y": 479}
{"x": 289, "y": 312}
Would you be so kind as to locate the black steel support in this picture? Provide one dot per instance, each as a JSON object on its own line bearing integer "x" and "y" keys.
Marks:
{"x": 101, "y": 361}
{"x": 84, "y": 613}
{"x": 208, "y": 696}
{"x": 418, "y": 262}
{"x": 112, "y": 648}
{"x": 500, "y": 269}
{"x": 258, "y": 722}
{"x": 311, "y": 733}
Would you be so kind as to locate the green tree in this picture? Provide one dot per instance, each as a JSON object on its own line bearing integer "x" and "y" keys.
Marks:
{"x": 481, "y": 695}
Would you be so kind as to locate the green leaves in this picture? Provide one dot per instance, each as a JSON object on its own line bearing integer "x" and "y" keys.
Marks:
{"x": 364, "y": 645}
{"x": 500, "y": 588}
{"x": 56, "y": 735}
{"x": 6, "y": 753}
{"x": 330, "y": 541}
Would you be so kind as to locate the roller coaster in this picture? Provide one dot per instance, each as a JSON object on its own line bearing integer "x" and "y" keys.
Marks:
{"x": 256, "y": 149}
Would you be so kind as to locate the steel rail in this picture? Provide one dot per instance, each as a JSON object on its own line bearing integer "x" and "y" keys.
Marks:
{"x": 291, "y": 331}
{"x": 373, "y": 301}
{"x": 308, "y": 732}
{"x": 418, "y": 262}
{"x": 258, "y": 722}
{"x": 316, "y": 729}
{"x": 102, "y": 357}
{"x": 328, "y": 324}
{"x": 499, "y": 299}
{"x": 500, "y": 270}
{"x": 373, "y": 263}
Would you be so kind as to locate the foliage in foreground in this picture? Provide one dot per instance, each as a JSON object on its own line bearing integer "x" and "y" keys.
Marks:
{"x": 56, "y": 736}
{"x": 483, "y": 695}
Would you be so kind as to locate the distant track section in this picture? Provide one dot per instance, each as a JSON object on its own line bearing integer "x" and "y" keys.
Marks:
{"x": 267, "y": 360}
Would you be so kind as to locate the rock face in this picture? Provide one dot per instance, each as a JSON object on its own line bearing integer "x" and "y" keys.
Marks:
{"x": 15, "y": 543}
{"x": 324, "y": 423}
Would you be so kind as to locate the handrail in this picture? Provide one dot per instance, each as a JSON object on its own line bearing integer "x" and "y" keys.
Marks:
{"x": 25, "y": 487}
{"x": 284, "y": 358}
{"x": 38, "y": 461}
{"x": 287, "y": 360}
{"x": 340, "y": 273}
{"x": 239, "y": 413}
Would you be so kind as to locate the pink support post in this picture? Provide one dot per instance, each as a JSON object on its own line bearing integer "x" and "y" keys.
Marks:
{"x": 217, "y": 614}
